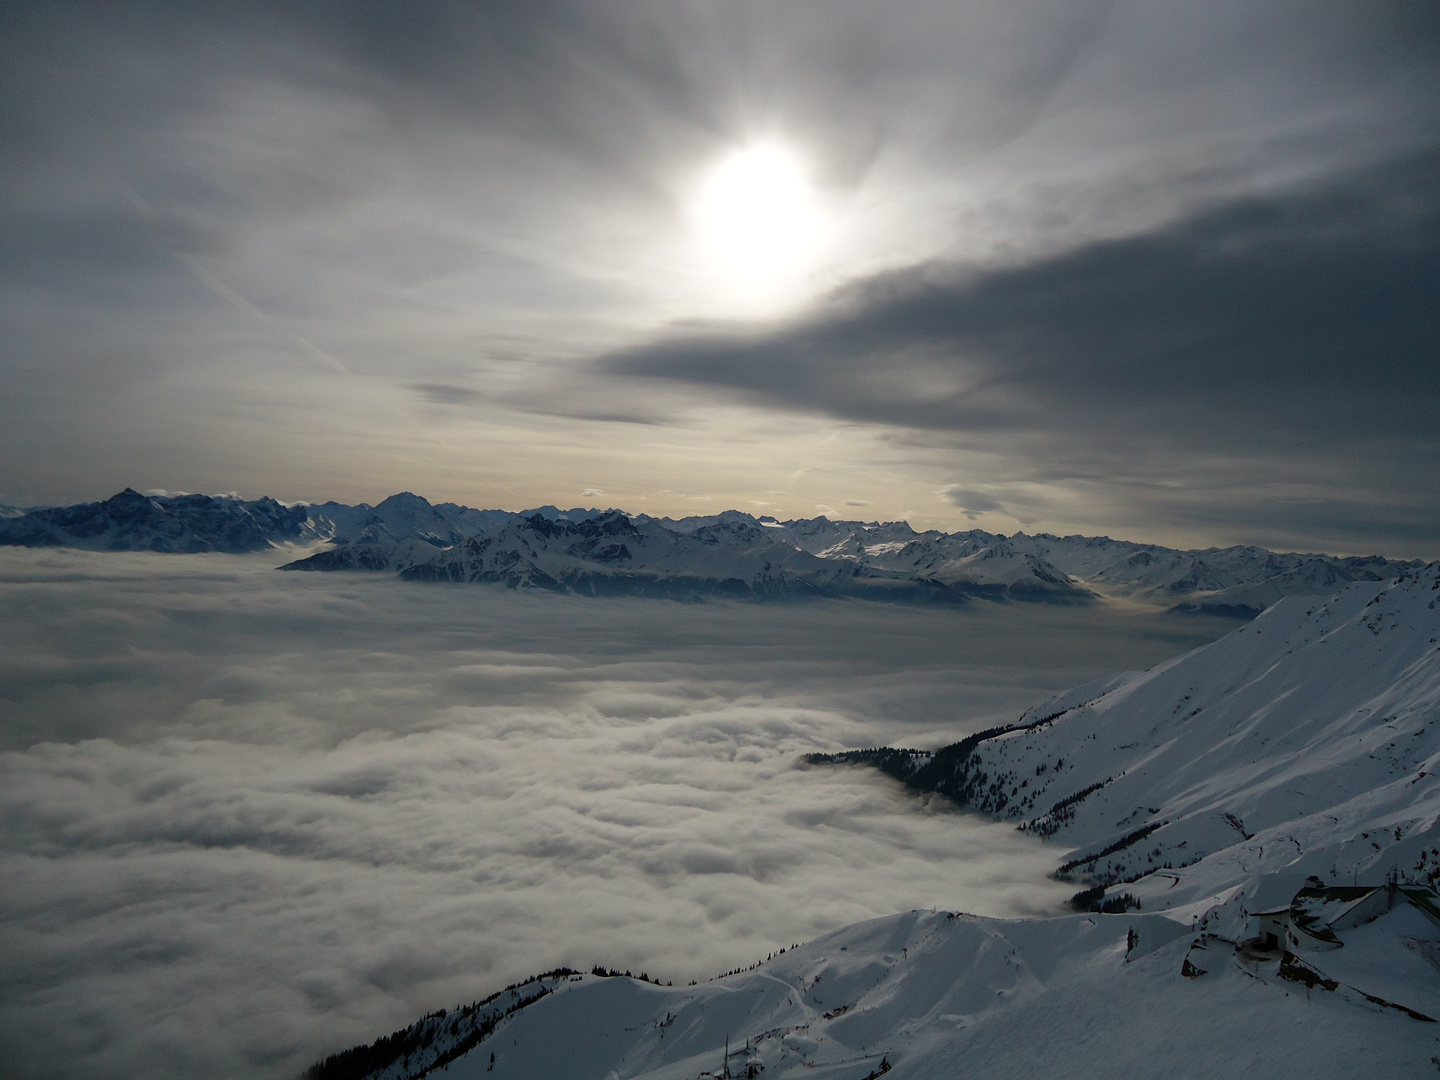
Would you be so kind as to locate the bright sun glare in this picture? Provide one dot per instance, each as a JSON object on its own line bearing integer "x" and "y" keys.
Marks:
{"x": 758, "y": 217}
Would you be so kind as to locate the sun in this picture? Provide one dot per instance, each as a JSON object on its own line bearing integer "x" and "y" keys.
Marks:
{"x": 758, "y": 216}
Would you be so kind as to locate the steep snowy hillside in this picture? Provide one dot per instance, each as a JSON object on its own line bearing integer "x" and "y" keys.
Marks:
{"x": 1308, "y": 740}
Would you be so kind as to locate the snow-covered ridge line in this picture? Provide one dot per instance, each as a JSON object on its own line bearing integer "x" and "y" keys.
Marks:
{"x": 439, "y": 1038}
{"x": 1307, "y": 740}
{"x": 934, "y": 995}
{"x": 727, "y": 554}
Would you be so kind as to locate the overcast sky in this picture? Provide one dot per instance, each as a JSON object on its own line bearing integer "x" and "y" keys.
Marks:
{"x": 1162, "y": 270}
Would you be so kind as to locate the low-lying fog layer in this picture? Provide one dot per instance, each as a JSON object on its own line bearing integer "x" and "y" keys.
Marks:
{"x": 247, "y": 818}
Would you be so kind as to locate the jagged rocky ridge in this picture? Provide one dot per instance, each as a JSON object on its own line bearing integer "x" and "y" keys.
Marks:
{"x": 596, "y": 552}
{"x": 1304, "y": 745}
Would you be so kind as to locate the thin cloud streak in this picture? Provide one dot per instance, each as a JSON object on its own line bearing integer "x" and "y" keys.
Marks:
{"x": 230, "y": 296}
{"x": 192, "y": 262}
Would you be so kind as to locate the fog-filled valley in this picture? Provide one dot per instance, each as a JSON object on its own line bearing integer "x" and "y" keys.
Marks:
{"x": 252, "y": 817}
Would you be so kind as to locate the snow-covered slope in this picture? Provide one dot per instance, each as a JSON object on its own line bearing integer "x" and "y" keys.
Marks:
{"x": 930, "y": 996}
{"x": 1307, "y": 740}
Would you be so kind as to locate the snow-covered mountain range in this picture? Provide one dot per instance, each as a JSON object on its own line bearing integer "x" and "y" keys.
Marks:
{"x": 1250, "y": 799}
{"x": 736, "y": 554}
{"x": 131, "y": 521}
{"x": 607, "y": 552}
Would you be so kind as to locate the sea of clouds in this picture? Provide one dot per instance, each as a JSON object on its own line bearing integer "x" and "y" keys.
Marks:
{"x": 248, "y": 818}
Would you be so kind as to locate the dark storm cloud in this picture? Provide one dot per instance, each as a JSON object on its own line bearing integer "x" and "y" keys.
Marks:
{"x": 1302, "y": 323}
{"x": 1307, "y": 317}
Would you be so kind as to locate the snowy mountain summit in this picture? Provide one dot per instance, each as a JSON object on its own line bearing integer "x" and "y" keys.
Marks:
{"x": 1257, "y": 823}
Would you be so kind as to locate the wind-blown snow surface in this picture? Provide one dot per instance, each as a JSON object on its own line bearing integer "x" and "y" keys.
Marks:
{"x": 247, "y": 818}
